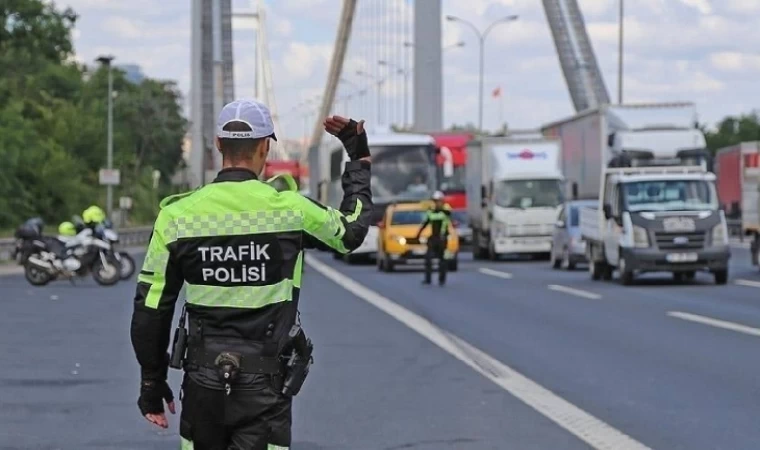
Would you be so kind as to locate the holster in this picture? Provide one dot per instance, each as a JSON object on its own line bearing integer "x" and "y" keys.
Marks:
{"x": 299, "y": 361}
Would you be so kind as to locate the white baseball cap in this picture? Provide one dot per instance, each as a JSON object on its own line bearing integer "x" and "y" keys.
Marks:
{"x": 250, "y": 112}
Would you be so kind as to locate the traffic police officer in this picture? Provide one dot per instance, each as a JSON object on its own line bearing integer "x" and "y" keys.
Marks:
{"x": 239, "y": 244}
{"x": 439, "y": 219}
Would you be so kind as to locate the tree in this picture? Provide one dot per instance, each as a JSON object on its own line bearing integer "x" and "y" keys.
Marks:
{"x": 53, "y": 122}
{"x": 733, "y": 130}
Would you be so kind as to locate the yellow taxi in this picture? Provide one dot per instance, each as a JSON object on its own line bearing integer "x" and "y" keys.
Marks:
{"x": 397, "y": 241}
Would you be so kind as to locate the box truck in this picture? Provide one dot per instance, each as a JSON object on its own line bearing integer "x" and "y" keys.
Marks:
{"x": 738, "y": 171}
{"x": 514, "y": 191}
{"x": 658, "y": 205}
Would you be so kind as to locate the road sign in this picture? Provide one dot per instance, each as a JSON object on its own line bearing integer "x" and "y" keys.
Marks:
{"x": 110, "y": 177}
{"x": 125, "y": 202}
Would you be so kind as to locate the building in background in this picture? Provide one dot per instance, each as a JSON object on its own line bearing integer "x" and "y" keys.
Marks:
{"x": 132, "y": 72}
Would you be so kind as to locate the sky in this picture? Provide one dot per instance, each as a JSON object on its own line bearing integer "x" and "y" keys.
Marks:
{"x": 705, "y": 51}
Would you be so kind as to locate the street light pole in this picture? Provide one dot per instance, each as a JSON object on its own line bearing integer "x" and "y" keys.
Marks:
{"x": 481, "y": 40}
{"x": 620, "y": 56}
{"x": 107, "y": 61}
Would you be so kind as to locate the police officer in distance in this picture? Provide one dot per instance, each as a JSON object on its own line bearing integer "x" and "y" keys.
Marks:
{"x": 238, "y": 243}
{"x": 439, "y": 220}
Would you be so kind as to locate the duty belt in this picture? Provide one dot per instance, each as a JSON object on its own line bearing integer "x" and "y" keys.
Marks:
{"x": 249, "y": 363}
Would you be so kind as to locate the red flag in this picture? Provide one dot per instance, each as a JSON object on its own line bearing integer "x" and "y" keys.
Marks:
{"x": 496, "y": 92}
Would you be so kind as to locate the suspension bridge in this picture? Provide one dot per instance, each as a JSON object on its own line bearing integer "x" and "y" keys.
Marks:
{"x": 386, "y": 66}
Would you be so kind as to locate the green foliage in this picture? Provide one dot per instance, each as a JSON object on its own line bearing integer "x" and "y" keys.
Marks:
{"x": 733, "y": 130}
{"x": 53, "y": 123}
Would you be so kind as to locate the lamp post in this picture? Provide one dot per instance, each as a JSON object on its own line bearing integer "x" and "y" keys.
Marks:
{"x": 482, "y": 38}
{"x": 106, "y": 61}
{"x": 620, "y": 56}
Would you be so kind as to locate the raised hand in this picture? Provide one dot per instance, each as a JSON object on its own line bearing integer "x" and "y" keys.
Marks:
{"x": 351, "y": 134}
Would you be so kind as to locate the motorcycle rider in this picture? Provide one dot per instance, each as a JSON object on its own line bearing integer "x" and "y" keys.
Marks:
{"x": 238, "y": 244}
{"x": 439, "y": 219}
{"x": 67, "y": 231}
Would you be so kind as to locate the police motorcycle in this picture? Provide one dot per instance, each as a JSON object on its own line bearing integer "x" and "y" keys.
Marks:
{"x": 127, "y": 264}
{"x": 71, "y": 254}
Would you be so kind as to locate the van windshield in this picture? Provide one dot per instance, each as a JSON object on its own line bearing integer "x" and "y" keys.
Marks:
{"x": 528, "y": 194}
{"x": 670, "y": 195}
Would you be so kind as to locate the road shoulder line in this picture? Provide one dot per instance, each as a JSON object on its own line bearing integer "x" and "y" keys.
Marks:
{"x": 586, "y": 427}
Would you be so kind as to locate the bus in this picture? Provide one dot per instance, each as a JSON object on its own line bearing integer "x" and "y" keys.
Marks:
{"x": 277, "y": 167}
{"x": 403, "y": 168}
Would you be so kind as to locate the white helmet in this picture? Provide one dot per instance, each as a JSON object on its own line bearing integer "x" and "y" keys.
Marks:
{"x": 438, "y": 195}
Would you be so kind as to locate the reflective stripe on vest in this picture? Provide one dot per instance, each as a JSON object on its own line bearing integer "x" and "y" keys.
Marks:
{"x": 240, "y": 296}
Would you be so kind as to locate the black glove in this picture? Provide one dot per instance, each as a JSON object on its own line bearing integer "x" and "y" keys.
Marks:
{"x": 356, "y": 144}
{"x": 152, "y": 396}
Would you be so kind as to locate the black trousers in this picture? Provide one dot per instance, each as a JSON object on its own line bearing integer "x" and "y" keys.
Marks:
{"x": 435, "y": 249}
{"x": 258, "y": 418}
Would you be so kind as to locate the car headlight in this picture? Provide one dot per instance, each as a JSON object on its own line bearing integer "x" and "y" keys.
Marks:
{"x": 640, "y": 237}
{"x": 719, "y": 235}
{"x": 400, "y": 239}
{"x": 423, "y": 240}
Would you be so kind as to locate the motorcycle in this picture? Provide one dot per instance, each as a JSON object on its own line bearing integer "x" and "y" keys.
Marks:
{"x": 126, "y": 262}
{"x": 46, "y": 259}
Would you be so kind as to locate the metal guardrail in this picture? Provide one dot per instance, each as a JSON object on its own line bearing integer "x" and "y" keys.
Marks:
{"x": 128, "y": 237}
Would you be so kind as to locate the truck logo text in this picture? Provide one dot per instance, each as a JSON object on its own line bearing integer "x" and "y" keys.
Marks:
{"x": 527, "y": 154}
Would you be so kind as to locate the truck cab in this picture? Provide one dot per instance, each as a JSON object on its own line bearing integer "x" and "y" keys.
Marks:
{"x": 654, "y": 218}
{"x": 515, "y": 191}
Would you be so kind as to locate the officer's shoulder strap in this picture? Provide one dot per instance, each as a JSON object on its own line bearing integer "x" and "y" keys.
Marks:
{"x": 176, "y": 197}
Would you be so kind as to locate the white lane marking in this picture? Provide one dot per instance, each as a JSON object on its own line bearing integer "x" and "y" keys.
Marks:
{"x": 572, "y": 291}
{"x": 748, "y": 283}
{"x": 495, "y": 273}
{"x": 715, "y": 323}
{"x": 586, "y": 427}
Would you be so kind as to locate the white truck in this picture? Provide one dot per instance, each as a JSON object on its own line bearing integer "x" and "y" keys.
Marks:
{"x": 658, "y": 206}
{"x": 514, "y": 192}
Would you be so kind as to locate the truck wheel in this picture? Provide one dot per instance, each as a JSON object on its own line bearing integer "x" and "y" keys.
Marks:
{"x": 477, "y": 251}
{"x": 567, "y": 263}
{"x": 721, "y": 276}
{"x": 492, "y": 255}
{"x": 595, "y": 270}
{"x": 626, "y": 276}
{"x": 553, "y": 258}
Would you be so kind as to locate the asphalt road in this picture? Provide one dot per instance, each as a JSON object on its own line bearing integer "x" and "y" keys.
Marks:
{"x": 670, "y": 366}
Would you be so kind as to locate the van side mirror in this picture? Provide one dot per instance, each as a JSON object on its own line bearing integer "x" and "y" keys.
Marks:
{"x": 607, "y": 209}
{"x": 560, "y": 224}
